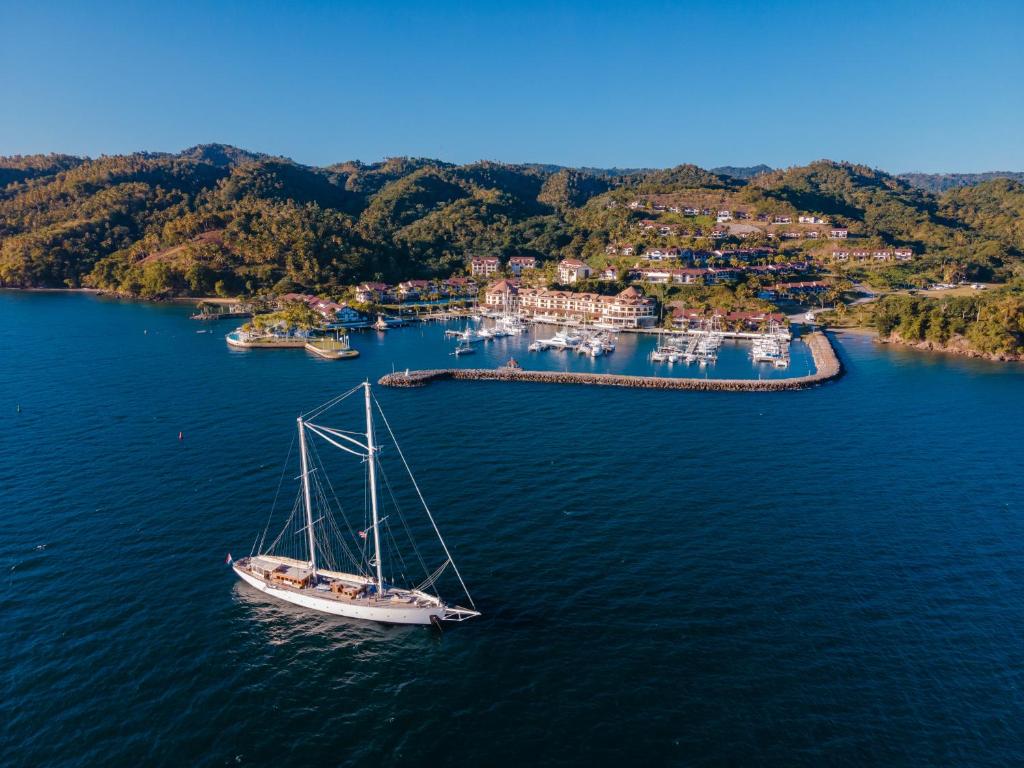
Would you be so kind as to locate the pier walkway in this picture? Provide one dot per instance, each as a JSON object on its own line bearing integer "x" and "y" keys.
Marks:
{"x": 826, "y": 364}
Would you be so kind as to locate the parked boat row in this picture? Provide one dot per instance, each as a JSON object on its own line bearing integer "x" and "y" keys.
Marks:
{"x": 772, "y": 347}
{"x": 584, "y": 342}
{"x": 699, "y": 347}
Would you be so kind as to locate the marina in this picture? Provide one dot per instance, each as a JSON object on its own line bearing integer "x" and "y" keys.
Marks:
{"x": 827, "y": 368}
{"x": 490, "y": 338}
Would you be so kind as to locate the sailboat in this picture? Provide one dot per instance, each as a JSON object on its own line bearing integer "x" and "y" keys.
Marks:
{"x": 366, "y": 590}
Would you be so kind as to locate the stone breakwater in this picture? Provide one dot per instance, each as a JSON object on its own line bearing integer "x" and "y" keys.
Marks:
{"x": 826, "y": 364}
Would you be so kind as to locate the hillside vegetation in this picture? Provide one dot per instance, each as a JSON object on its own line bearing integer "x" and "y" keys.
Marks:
{"x": 220, "y": 219}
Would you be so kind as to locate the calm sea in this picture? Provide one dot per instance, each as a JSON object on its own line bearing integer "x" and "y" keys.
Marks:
{"x": 831, "y": 576}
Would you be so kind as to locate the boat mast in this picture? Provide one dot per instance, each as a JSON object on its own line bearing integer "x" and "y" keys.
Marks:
{"x": 305, "y": 492}
{"x": 372, "y": 459}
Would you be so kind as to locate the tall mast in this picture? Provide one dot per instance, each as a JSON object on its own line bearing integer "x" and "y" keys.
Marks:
{"x": 372, "y": 459}
{"x": 305, "y": 492}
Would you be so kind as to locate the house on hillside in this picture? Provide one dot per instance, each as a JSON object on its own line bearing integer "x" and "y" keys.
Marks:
{"x": 374, "y": 293}
{"x": 838, "y": 233}
{"x": 519, "y": 264}
{"x": 413, "y": 290}
{"x": 484, "y": 266}
{"x": 572, "y": 270}
{"x": 459, "y": 286}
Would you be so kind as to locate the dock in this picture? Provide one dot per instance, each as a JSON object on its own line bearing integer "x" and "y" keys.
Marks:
{"x": 331, "y": 349}
{"x": 826, "y": 363}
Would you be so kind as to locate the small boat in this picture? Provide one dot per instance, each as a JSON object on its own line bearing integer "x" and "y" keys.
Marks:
{"x": 464, "y": 348}
{"x": 310, "y": 574}
{"x": 536, "y": 346}
{"x": 381, "y": 324}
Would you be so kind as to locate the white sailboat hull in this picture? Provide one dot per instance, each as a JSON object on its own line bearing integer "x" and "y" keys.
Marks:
{"x": 382, "y": 613}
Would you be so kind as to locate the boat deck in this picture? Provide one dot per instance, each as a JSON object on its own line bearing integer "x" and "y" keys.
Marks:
{"x": 293, "y": 576}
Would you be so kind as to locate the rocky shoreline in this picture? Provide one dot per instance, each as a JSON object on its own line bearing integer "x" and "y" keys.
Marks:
{"x": 957, "y": 345}
{"x": 826, "y": 362}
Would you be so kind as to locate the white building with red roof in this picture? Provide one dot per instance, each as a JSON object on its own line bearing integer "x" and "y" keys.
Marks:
{"x": 572, "y": 271}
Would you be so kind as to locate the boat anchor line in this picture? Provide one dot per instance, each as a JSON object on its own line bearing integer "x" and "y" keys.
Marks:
{"x": 312, "y": 578}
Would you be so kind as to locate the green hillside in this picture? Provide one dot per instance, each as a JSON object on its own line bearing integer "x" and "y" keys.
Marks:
{"x": 217, "y": 218}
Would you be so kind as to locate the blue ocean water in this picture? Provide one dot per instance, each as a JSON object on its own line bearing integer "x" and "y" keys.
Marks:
{"x": 830, "y": 576}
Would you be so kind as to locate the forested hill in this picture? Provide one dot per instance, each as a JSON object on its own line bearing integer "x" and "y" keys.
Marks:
{"x": 941, "y": 182}
{"x": 215, "y": 217}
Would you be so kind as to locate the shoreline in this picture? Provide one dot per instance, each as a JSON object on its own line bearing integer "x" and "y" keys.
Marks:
{"x": 826, "y": 363}
{"x": 954, "y": 350}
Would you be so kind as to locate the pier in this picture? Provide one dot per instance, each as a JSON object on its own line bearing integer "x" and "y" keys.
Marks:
{"x": 826, "y": 364}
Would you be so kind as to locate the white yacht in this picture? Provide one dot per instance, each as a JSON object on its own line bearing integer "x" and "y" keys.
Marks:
{"x": 320, "y": 561}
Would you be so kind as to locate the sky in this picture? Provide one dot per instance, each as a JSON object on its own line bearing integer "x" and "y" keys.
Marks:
{"x": 903, "y": 86}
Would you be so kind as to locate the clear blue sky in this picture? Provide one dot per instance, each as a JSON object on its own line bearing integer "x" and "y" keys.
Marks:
{"x": 898, "y": 85}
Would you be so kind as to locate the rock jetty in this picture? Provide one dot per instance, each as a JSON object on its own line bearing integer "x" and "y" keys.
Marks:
{"x": 826, "y": 363}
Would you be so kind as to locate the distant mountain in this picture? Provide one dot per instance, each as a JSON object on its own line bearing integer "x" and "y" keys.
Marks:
{"x": 940, "y": 182}
{"x": 216, "y": 218}
{"x": 742, "y": 172}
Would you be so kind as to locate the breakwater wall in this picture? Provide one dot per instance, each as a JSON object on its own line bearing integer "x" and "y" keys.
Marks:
{"x": 826, "y": 364}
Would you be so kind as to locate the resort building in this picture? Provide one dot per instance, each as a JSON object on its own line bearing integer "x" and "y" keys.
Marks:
{"x": 838, "y": 233}
{"x": 374, "y": 293}
{"x": 804, "y": 287}
{"x": 501, "y": 293}
{"x": 572, "y": 270}
{"x": 519, "y": 264}
{"x": 663, "y": 254}
{"x": 413, "y": 290}
{"x": 659, "y": 276}
{"x": 880, "y": 254}
{"x": 331, "y": 311}
{"x": 628, "y": 309}
{"x": 484, "y": 266}
{"x": 686, "y": 318}
{"x": 460, "y": 286}
{"x": 616, "y": 248}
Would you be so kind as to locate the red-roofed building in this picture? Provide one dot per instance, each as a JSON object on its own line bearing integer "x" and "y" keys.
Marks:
{"x": 501, "y": 293}
{"x": 572, "y": 271}
{"x": 461, "y": 286}
{"x": 371, "y": 293}
{"x": 629, "y": 309}
{"x": 519, "y": 264}
{"x": 484, "y": 266}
